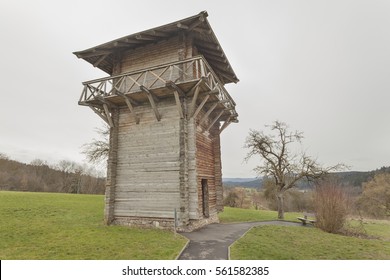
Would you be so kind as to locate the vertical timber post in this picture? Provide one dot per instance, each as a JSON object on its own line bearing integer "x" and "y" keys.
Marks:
{"x": 184, "y": 217}
{"x": 111, "y": 169}
{"x": 217, "y": 167}
{"x": 184, "y": 186}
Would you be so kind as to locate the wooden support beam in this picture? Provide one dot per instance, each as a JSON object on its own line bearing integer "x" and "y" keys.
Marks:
{"x": 124, "y": 44}
{"x": 182, "y": 26}
{"x": 99, "y": 113}
{"x": 158, "y": 33}
{"x": 152, "y": 102}
{"x": 178, "y": 104}
{"x": 215, "y": 120}
{"x": 201, "y": 80}
{"x": 145, "y": 89}
{"x": 101, "y": 99}
{"x": 193, "y": 101}
{"x": 201, "y": 105}
{"x": 225, "y": 124}
{"x": 193, "y": 25}
{"x": 106, "y": 105}
{"x": 134, "y": 102}
{"x": 130, "y": 106}
{"x": 202, "y": 30}
{"x": 104, "y": 101}
{"x": 210, "y": 52}
{"x": 145, "y": 37}
{"x": 103, "y": 57}
{"x": 228, "y": 77}
{"x": 132, "y": 41}
{"x": 203, "y": 44}
{"x": 208, "y": 113}
{"x": 108, "y": 115}
{"x": 173, "y": 86}
{"x": 219, "y": 60}
{"x": 196, "y": 23}
{"x": 223, "y": 101}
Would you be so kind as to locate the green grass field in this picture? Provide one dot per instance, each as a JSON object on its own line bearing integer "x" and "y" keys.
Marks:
{"x": 305, "y": 243}
{"x": 236, "y": 215}
{"x": 65, "y": 226}
{"x": 41, "y": 226}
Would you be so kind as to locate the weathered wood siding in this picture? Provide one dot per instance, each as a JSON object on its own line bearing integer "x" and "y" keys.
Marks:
{"x": 147, "y": 180}
{"x": 208, "y": 166}
{"x": 192, "y": 178}
{"x": 218, "y": 169}
{"x": 148, "y": 164}
{"x": 163, "y": 52}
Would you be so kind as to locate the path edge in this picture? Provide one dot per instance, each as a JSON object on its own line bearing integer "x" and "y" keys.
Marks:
{"x": 182, "y": 249}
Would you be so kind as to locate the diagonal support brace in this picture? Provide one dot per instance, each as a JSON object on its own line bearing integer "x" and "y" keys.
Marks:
{"x": 152, "y": 102}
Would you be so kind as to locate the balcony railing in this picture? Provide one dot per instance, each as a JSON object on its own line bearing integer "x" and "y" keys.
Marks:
{"x": 154, "y": 78}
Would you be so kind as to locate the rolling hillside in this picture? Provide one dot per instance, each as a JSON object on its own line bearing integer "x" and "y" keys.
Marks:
{"x": 349, "y": 178}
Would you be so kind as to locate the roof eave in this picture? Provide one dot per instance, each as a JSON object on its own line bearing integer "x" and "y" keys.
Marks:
{"x": 98, "y": 54}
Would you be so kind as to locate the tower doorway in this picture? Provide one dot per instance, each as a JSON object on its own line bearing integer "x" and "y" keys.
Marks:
{"x": 205, "y": 198}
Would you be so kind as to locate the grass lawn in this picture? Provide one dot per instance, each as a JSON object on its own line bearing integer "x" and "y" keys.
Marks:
{"x": 65, "y": 226}
{"x": 304, "y": 243}
{"x": 235, "y": 215}
{"x": 377, "y": 228}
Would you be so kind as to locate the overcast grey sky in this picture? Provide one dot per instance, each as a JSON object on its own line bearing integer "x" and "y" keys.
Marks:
{"x": 323, "y": 67}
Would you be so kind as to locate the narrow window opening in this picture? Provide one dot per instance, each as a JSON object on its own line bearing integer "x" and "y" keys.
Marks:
{"x": 205, "y": 198}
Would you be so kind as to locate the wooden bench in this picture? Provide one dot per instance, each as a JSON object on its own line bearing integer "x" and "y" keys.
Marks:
{"x": 305, "y": 220}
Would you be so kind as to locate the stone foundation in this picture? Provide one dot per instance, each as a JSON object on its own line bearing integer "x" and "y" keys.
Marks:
{"x": 195, "y": 224}
{"x": 144, "y": 222}
{"x": 164, "y": 223}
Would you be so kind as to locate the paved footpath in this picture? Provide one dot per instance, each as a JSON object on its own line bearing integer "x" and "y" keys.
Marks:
{"x": 212, "y": 241}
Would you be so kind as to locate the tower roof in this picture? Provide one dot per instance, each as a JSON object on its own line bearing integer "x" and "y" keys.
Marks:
{"x": 205, "y": 40}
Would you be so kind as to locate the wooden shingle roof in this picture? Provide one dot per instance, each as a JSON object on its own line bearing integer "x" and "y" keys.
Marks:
{"x": 205, "y": 40}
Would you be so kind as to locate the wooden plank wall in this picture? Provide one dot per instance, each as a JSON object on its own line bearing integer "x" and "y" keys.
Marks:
{"x": 217, "y": 167}
{"x": 205, "y": 165}
{"x": 147, "y": 182}
{"x": 147, "y": 178}
{"x": 163, "y": 52}
{"x": 192, "y": 172}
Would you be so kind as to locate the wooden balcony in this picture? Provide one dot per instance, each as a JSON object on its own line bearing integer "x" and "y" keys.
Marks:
{"x": 192, "y": 78}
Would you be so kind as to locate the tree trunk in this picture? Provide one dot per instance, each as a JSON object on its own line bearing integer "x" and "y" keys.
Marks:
{"x": 280, "y": 206}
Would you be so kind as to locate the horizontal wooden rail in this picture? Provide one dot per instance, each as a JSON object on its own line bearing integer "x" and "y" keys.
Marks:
{"x": 184, "y": 71}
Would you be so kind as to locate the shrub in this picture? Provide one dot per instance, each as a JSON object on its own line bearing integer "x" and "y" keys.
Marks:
{"x": 330, "y": 205}
{"x": 375, "y": 199}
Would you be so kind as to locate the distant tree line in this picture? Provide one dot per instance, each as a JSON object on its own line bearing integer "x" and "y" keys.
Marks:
{"x": 38, "y": 176}
{"x": 370, "y": 199}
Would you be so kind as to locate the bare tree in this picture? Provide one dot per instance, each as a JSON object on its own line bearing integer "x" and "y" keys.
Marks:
{"x": 97, "y": 150}
{"x": 67, "y": 169}
{"x": 285, "y": 167}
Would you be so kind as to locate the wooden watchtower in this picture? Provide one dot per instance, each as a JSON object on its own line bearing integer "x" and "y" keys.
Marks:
{"x": 166, "y": 105}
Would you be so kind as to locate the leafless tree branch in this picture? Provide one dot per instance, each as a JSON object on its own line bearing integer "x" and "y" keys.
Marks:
{"x": 279, "y": 162}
